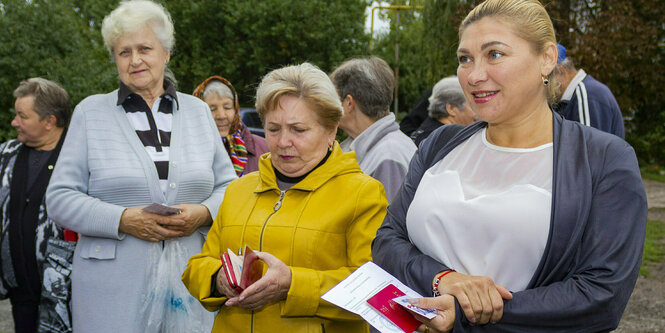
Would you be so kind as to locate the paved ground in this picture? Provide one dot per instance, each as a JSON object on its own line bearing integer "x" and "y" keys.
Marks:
{"x": 645, "y": 312}
{"x": 6, "y": 322}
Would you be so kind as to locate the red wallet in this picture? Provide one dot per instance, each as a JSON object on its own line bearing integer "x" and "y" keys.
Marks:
{"x": 383, "y": 302}
{"x": 241, "y": 272}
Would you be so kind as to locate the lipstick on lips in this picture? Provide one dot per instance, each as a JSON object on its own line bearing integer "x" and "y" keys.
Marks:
{"x": 483, "y": 96}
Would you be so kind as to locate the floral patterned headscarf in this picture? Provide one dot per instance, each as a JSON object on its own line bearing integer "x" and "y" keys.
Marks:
{"x": 233, "y": 142}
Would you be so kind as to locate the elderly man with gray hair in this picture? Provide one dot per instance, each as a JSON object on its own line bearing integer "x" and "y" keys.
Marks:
{"x": 584, "y": 99}
{"x": 365, "y": 86}
{"x": 447, "y": 105}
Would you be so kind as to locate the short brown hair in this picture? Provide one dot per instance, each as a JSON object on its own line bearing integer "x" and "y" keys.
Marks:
{"x": 305, "y": 81}
{"x": 50, "y": 99}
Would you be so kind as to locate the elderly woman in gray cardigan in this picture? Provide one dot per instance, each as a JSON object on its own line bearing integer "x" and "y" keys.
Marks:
{"x": 143, "y": 143}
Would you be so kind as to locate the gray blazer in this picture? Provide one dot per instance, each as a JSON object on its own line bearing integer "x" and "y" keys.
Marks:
{"x": 103, "y": 168}
{"x": 594, "y": 250}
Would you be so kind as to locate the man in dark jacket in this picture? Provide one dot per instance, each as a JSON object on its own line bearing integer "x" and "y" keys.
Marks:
{"x": 42, "y": 112}
{"x": 584, "y": 99}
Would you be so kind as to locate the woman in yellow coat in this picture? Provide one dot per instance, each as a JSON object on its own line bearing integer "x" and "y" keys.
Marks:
{"x": 309, "y": 211}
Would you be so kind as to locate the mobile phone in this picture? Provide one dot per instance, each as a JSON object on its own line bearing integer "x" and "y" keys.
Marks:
{"x": 160, "y": 209}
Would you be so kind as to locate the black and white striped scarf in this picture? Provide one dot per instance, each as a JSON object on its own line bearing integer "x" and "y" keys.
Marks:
{"x": 153, "y": 126}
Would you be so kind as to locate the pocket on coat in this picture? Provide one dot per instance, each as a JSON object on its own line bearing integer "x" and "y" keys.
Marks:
{"x": 97, "y": 248}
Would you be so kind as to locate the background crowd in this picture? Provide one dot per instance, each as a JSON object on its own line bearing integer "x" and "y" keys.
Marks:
{"x": 509, "y": 160}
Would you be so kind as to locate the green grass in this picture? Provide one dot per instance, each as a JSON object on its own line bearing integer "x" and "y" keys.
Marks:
{"x": 654, "y": 246}
{"x": 654, "y": 176}
{"x": 653, "y": 172}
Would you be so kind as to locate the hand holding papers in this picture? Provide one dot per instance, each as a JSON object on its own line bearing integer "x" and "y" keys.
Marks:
{"x": 353, "y": 292}
{"x": 384, "y": 304}
{"x": 404, "y": 301}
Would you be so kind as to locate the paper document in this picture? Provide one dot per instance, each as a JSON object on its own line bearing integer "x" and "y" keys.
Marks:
{"x": 353, "y": 292}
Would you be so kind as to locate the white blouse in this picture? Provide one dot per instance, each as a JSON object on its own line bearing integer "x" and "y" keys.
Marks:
{"x": 485, "y": 210}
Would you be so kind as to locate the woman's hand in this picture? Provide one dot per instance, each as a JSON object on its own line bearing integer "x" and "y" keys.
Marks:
{"x": 445, "y": 316}
{"x": 272, "y": 287}
{"x": 191, "y": 217}
{"x": 222, "y": 285}
{"x": 480, "y": 299}
{"x": 146, "y": 226}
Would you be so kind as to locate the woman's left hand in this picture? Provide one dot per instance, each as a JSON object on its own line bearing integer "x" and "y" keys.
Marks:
{"x": 191, "y": 217}
{"x": 445, "y": 313}
{"x": 272, "y": 287}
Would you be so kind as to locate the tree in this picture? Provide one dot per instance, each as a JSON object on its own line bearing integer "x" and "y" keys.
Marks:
{"x": 49, "y": 39}
{"x": 243, "y": 40}
{"x": 239, "y": 39}
{"x": 617, "y": 42}
{"x": 427, "y": 48}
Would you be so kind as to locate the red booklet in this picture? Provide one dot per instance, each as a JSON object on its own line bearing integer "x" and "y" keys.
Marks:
{"x": 383, "y": 302}
{"x": 241, "y": 272}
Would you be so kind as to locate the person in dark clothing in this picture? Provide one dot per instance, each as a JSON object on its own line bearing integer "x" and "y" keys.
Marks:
{"x": 447, "y": 105}
{"x": 26, "y": 163}
{"x": 584, "y": 99}
{"x": 417, "y": 115}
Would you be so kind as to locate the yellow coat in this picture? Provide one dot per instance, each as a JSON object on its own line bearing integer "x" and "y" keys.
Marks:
{"x": 322, "y": 228}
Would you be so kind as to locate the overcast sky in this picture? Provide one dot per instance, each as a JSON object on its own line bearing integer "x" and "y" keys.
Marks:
{"x": 379, "y": 25}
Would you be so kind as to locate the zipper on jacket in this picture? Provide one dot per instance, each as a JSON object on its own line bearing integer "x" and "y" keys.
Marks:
{"x": 275, "y": 208}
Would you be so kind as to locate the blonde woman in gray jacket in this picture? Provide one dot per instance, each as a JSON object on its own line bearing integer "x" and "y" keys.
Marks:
{"x": 141, "y": 144}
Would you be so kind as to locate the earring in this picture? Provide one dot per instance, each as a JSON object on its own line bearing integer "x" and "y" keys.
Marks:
{"x": 546, "y": 81}
{"x": 330, "y": 146}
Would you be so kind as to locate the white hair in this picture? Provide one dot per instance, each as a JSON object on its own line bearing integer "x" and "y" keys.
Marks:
{"x": 446, "y": 91}
{"x": 133, "y": 15}
{"x": 219, "y": 89}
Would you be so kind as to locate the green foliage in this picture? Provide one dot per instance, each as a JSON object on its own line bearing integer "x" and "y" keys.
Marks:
{"x": 239, "y": 39}
{"x": 653, "y": 172}
{"x": 243, "y": 40}
{"x": 617, "y": 41}
{"x": 427, "y": 45}
{"x": 49, "y": 39}
{"x": 654, "y": 245}
{"x": 411, "y": 66}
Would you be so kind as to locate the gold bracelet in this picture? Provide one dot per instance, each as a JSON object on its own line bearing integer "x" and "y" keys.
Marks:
{"x": 426, "y": 329}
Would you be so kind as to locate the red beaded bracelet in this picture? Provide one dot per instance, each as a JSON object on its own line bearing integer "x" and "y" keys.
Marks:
{"x": 435, "y": 289}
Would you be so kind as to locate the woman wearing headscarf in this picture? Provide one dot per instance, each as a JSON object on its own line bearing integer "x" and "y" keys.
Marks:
{"x": 143, "y": 143}
{"x": 244, "y": 148}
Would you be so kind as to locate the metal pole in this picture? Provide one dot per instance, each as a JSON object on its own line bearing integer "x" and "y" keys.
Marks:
{"x": 371, "y": 29}
{"x": 397, "y": 65}
{"x": 371, "y": 44}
